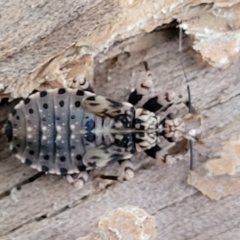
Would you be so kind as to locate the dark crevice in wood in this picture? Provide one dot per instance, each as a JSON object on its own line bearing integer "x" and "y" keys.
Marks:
{"x": 220, "y": 103}
{"x": 175, "y": 203}
{"x": 16, "y": 228}
{"x": 19, "y": 185}
{"x": 40, "y": 218}
{"x": 61, "y": 210}
{"x": 54, "y": 214}
{"x": 47, "y": 216}
{"x": 5, "y": 194}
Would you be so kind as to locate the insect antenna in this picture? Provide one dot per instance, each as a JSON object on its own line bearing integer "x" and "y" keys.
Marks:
{"x": 190, "y": 141}
{"x": 188, "y": 103}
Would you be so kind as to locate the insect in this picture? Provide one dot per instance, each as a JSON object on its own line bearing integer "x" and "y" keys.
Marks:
{"x": 73, "y": 131}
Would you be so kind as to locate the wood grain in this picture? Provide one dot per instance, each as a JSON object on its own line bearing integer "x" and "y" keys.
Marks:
{"x": 49, "y": 208}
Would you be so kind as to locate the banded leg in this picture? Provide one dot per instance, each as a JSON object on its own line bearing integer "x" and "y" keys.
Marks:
{"x": 175, "y": 152}
{"x": 126, "y": 172}
{"x": 78, "y": 180}
{"x": 161, "y": 102}
{"x": 164, "y": 101}
{"x": 82, "y": 83}
{"x": 173, "y": 159}
{"x": 142, "y": 89}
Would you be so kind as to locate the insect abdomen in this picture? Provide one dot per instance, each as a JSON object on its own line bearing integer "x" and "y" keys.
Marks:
{"x": 51, "y": 131}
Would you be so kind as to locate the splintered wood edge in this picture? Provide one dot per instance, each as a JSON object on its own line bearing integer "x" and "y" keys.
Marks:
{"x": 116, "y": 21}
{"x": 220, "y": 176}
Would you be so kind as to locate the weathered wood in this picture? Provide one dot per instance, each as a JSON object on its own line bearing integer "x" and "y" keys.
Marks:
{"x": 49, "y": 208}
{"x": 32, "y": 33}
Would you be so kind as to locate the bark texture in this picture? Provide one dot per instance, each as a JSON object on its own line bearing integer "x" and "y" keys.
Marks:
{"x": 47, "y": 44}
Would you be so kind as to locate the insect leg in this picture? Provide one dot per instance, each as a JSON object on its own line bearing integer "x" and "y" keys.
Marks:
{"x": 173, "y": 158}
{"x": 142, "y": 89}
{"x": 84, "y": 84}
{"x": 173, "y": 152}
{"x": 161, "y": 102}
{"x": 127, "y": 172}
{"x": 78, "y": 181}
{"x": 126, "y": 169}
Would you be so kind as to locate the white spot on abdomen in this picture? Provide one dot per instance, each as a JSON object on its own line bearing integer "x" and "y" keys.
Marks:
{"x": 29, "y": 129}
{"x": 59, "y": 137}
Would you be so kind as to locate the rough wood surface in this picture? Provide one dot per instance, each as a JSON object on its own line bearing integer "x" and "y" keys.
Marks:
{"x": 33, "y": 33}
{"x": 47, "y": 207}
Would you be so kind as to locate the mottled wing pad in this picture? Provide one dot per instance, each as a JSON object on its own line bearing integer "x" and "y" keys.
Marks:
{"x": 105, "y": 107}
{"x": 101, "y": 156}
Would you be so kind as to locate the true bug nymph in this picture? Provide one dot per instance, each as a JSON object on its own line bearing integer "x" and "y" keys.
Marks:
{"x": 69, "y": 131}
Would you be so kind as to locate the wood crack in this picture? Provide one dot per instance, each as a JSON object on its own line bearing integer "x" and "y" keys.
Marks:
{"x": 175, "y": 203}
{"x": 19, "y": 185}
